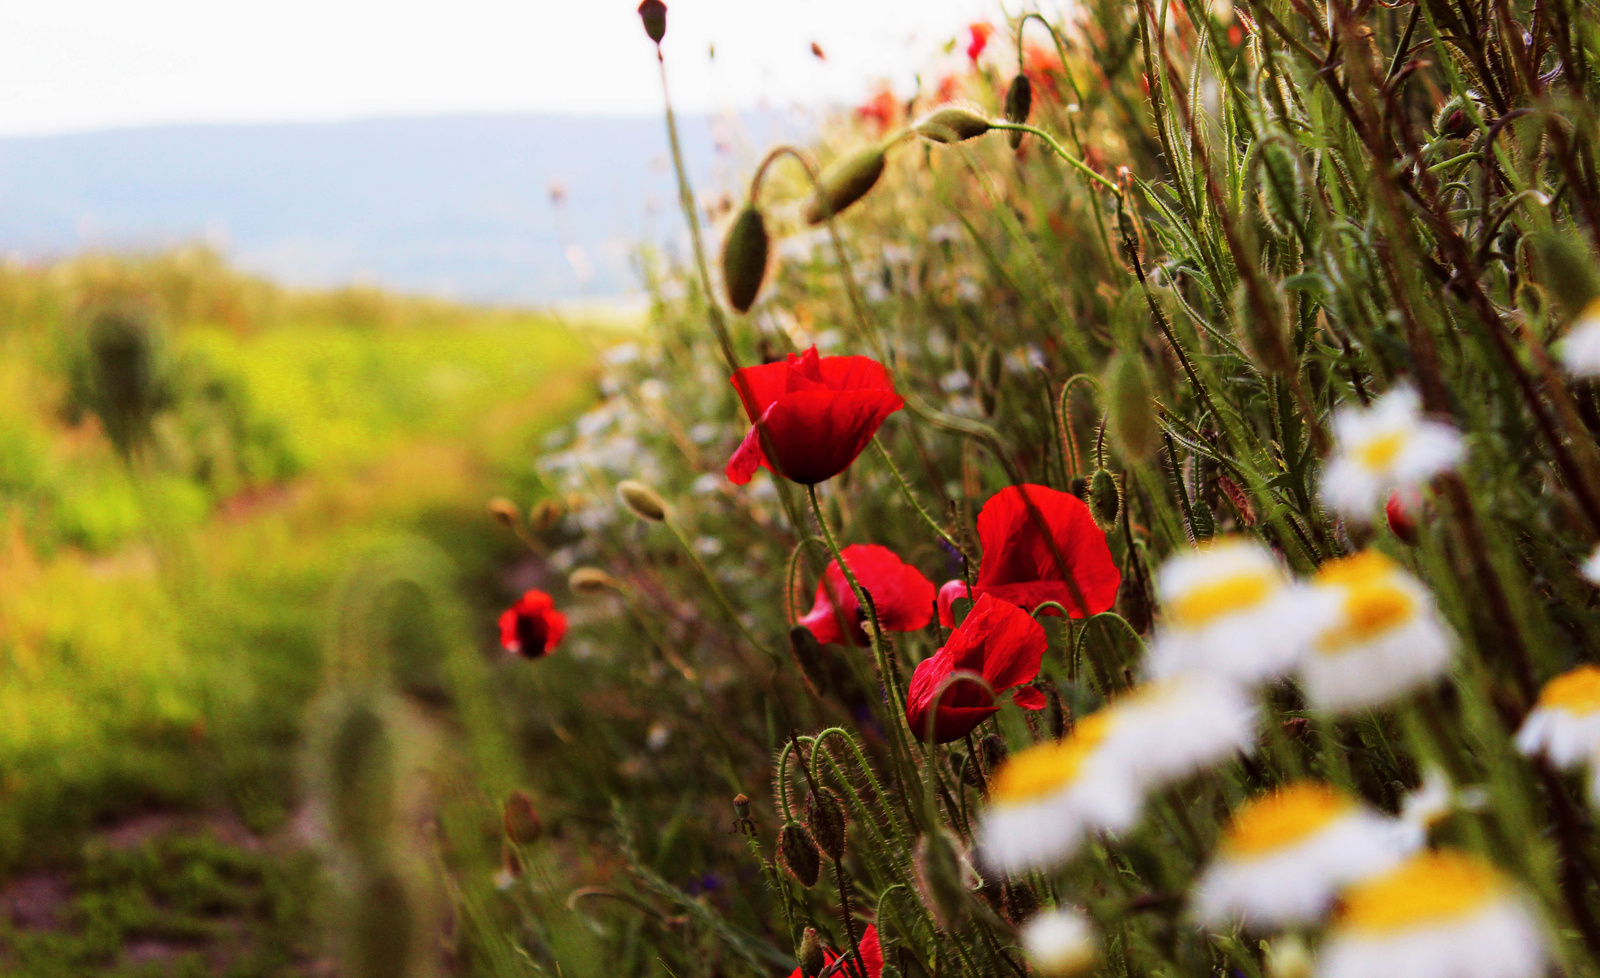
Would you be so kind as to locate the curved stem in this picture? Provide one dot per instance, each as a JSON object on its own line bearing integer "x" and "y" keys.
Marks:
{"x": 1060, "y": 151}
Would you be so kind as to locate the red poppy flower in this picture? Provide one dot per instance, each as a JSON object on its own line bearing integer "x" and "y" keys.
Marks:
{"x": 1401, "y": 512}
{"x": 882, "y": 109}
{"x": 871, "y": 956}
{"x": 819, "y": 413}
{"x": 998, "y": 641}
{"x": 1043, "y": 67}
{"x": 532, "y": 626}
{"x": 1019, "y": 564}
{"x": 902, "y": 596}
{"x": 980, "y": 33}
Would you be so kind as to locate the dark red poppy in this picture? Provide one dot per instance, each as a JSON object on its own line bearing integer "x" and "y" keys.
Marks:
{"x": 1401, "y": 511}
{"x": 532, "y": 626}
{"x": 998, "y": 641}
{"x": 819, "y": 413}
{"x": 902, "y": 596}
{"x": 871, "y": 956}
{"x": 979, "y": 35}
{"x": 1019, "y": 564}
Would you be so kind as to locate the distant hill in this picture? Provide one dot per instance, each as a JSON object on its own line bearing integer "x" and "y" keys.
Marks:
{"x": 455, "y": 206}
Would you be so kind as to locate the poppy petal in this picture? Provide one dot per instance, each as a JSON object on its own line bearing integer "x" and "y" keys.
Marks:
{"x": 816, "y": 434}
{"x": 948, "y": 594}
{"x": 1016, "y": 552}
{"x": 1028, "y": 698}
{"x": 746, "y": 459}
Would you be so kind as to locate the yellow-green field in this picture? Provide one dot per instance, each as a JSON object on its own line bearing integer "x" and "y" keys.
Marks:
{"x": 162, "y": 624}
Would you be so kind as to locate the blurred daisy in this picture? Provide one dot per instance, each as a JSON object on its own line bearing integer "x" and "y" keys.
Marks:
{"x": 1564, "y": 725}
{"x": 1061, "y": 943}
{"x": 1284, "y": 857}
{"x": 1440, "y": 914}
{"x": 1385, "y": 447}
{"x": 1045, "y": 799}
{"x": 1231, "y": 611}
{"x": 1591, "y": 568}
{"x": 1580, "y": 351}
{"x": 1382, "y": 637}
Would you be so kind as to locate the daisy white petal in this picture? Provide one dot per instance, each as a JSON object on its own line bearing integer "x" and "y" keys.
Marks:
{"x": 1385, "y": 447}
{"x": 1564, "y": 724}
{"x": 1061, "y": 943}
{"x": 1580, "y": 351}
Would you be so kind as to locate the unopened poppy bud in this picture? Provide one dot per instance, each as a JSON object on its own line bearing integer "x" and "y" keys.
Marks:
{"x": 521, "y": 821}
{"x": 798, "y": 854}
{"x": 744, "y": 257}
{"x": 505, "y": 511}
{"x": 1130, "y": 409}
{"x": 825, "y": 819}
{"x": 741, "y": 805}
{"x": 1019, "y": 103}
{"x": 952, "y": 124}
{"x": 845, "y": 182}
{"x": 1105, "y": 499}
{"x": 643, "y": 500}
{"x": 991, "y": 753}
{"x": 654, "y": 15}
{"x": 1278, "y": 176}
{"x": 1133, "y": 604}
{"x": 809, "y": 954}
{"x": 1079, "y": 486}
{"x": 1264, "y": 336}
{"x": 546, "y": 514}
{"x": 1568, "y": 273}
{"x": 591, "y": 580}
{"x": 939, "y": 878}
{"x": 1401, "y": 512}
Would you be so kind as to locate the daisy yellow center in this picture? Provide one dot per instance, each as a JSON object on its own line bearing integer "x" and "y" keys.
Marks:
{"x": 1577, "y": 691}
{"x": 1366, "y": 566}
{"x": 1041, "y": 771}
{"x": 1283, "y": 818}
{"x": 1379, "y": 453}
{"x": 1208, "y": 602}
{"x": 1429, "y": 888}
{"x": 1368, "y": 612}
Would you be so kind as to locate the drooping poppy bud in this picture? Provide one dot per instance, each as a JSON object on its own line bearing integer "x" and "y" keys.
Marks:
{"x": 546, "y": 514}
{"x": 939, "y": 878}
{"x": 952, "y": 124}
{"x": 825, "y": 819}
{"x": 654, "y": 15}
{"x": 1401, "y": 511}
{"x": 744, "y": 257}
{"x": 520, "y": 820}
{"x": 645, "y": 502}
{"x": 845, "y": 182}
{"x": 591, "y": 580}
{"x": 505, "y": 512}
{"x": 1130, "y": 408}
{"x": 1105, "y": 499}
{"x": 809, "y": 953}
{"x": 798, "y": 854}
{"x": 1265, "y": 338}
{"x": 1019, "y": 103}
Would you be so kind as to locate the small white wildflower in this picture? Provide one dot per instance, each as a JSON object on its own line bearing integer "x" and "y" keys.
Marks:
{"x": 1564, "y": 725}
{"x": 1580, "y": 350}
{"x": 1388, "y": 446}
{"x": 1061, "y": 942}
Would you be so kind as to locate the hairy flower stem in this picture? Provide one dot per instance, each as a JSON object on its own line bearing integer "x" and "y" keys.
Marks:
{"x": 911, "y": 498}
{"x": 849, "y": 920}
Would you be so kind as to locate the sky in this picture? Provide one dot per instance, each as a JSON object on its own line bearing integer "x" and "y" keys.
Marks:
{"x": 78, "y": 65}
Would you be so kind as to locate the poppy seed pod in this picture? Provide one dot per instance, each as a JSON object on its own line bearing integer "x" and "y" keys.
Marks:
{"x": 809, "y": 954}
{"x": 845, "y": 182}
{"x": 741, "y": 805}
{"x": 799, "y": 855}
{"x": 1130, "y": 409}
{"x": 1019, "y": 103}
{"x": 825, "y": 819}
{"x": 744, "y": 257}
{"x": 1105, "y": 499}
{"x": 654, "y": 15}
{"x": 643, "y": 500}
{"x": 952, "y": 124}
{"x": 505, "y": 512}
{"x": 591, "y": 580}
{"x": 520, "y": 820}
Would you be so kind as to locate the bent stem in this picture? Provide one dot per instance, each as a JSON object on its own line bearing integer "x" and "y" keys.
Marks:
{"x": 1061, "y": 151}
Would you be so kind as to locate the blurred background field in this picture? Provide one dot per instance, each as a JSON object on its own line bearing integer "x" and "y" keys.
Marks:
{"x": 161, "y": 632}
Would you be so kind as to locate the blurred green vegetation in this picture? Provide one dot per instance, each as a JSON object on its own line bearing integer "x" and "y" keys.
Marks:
{"x": 162, "y": 619}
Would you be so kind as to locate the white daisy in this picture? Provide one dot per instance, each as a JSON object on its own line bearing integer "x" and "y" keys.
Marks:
{"x": 1580, "y": 351}
{"x": 1061, "y": 943}
{"x": 1385, "y": 447}
{"x": 1284, "y": 857}
{"x": 1383, "y": 637}
{"x": 1591, "y": 568}
{"x": 1230, "y": 611}
{"x": 1440, "y": 914}
{"x": 1564, "y": 724}
{"x": 1046, "y": 799}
